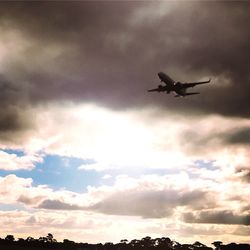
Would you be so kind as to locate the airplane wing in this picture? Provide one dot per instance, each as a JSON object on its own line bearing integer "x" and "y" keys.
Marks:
{"x": 192, "y": 84}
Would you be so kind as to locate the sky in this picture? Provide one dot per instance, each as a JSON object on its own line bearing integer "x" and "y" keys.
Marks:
{"x": 87, "y": 154}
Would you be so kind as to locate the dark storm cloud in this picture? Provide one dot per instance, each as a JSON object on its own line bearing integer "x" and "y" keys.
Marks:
{"x": 217, "y": 217}
{"x": 30, "y": 201}
{"x": 246, "y": 177}
{"x": 148, "y": 204}
{"x": 244, "y": 173}
{"x": 242, "y": 230}
{"x": 109, "y": 53}
{"x": 194, "y": 139}
{"x": 239, "y": 136}
{"x": 58, "y": 205}
{"x": 14, "y": 116}
{"x": 62, "y": 54}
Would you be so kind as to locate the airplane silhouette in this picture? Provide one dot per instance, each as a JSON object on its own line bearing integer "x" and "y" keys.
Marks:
{"x": 177, "y": 87}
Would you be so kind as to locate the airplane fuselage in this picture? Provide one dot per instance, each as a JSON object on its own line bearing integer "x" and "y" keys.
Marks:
{"x": 176, "y": 87}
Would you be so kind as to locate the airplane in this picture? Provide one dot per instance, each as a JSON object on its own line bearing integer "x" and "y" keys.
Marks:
{"x": 177, "y": 87}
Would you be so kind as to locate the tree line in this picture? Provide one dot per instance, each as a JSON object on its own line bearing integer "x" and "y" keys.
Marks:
{"x": 146, "y": 243}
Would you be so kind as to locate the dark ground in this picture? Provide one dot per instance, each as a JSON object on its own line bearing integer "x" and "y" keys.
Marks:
{"x": 146, "y": 243}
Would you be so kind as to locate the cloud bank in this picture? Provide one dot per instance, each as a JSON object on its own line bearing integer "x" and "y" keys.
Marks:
{"x": 110, "y": 55}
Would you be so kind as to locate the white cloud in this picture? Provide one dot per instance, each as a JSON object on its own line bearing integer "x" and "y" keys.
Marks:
{"x": 149, "y": 196}
{"x": 92, "y": 228}
{"x": 11, "y": 161}
{"x": 17, "y": 190}
{"x": 163, "y": 200}
{"x": 141, "y": 139}
{"x": 107, "y": 176}
{"x": 128, "y": 140}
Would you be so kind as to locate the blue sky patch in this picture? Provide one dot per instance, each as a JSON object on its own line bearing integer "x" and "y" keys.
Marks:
{"x": 11, "y": 207}
{"x": 210, "y": 165}
{"x": 19, "y": 153}
{"x": 59, "y": 172}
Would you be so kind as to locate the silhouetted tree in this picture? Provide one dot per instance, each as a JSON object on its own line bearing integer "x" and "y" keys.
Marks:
{"x": 43, "y": 239}
{"x": 164, "y": 243}
{"x": 9, "y": 238}
{"x": 50, "y": 238}
{"x": 109, "y": 246}
{"x": 69, "y": 244}
{"x": 66, "y": 241}
{"x": 146, "y": 242}
{"x": 198, "y": 244}
{"x": 124, "y": 241}
{"x": 30, "y": 239}
{"x": 217, "y": 245}
{"x": 234, "y": 246}
{"x": 134, "y": 243}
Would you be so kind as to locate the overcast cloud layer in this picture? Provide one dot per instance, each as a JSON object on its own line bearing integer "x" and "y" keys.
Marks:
{"x": 109, "y": 53}
{"x": 73, "y": 83}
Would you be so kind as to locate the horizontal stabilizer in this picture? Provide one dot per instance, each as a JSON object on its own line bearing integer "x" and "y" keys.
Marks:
{"x": 194, "y": 93}
{"x": 153, "y": 90}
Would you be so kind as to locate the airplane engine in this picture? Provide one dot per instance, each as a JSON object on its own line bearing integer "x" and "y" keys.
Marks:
{"x": 177, "y": 85}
